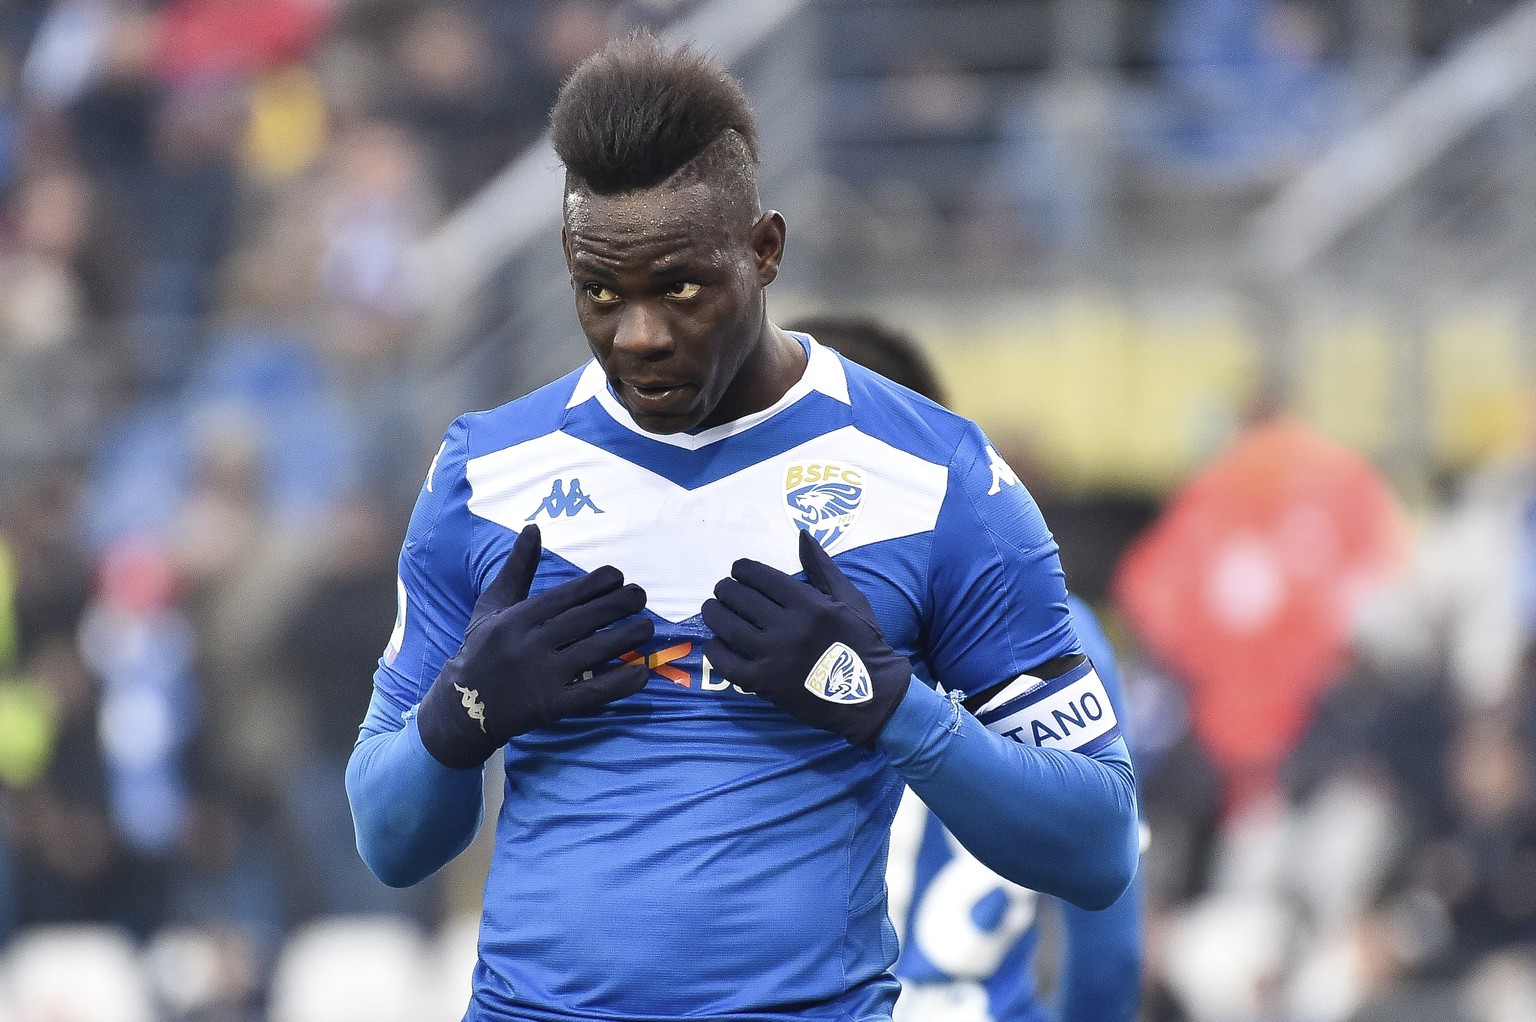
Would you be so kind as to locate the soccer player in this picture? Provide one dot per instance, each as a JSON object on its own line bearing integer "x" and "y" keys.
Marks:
{"x": 969, "y": 937}
{"x": 714, "y": 597}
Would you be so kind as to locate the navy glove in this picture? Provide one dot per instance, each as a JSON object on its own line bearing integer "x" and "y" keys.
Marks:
{"x": 812, "y": 648}
{"x": 528, "y": 662}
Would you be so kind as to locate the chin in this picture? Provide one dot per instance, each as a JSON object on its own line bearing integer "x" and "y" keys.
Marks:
{"x": 664, "y": 424}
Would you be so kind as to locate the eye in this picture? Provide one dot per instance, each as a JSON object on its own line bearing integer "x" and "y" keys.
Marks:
{"x": 600, "y": 295}
{"x": 683, "y": 290}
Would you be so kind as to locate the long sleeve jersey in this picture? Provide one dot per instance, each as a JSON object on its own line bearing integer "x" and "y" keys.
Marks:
{"x": 692, "y": 851}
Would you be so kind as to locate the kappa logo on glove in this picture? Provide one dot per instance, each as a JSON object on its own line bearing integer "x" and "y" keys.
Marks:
{"x": 472, "y": 703}
{"x": 840, "y": 677}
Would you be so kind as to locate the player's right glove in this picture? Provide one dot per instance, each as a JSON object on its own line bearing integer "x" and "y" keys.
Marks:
{"x": 527, "y": 662}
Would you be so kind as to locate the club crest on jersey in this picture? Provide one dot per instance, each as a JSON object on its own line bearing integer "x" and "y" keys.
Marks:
{"x": 840, "y": 677}
{"x": 823, "y": 498}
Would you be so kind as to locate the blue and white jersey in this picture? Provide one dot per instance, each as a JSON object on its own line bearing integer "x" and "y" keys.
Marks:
{"x": 969, "y": 937}
{"x": 693, "y": 850}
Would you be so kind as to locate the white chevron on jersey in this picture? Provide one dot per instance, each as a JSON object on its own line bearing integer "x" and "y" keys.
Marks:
{"x": 695, "y": 535}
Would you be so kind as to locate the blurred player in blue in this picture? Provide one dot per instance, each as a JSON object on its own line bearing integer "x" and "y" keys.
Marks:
{"x": 968, "y": 937}
{"x": 715, "y": 597}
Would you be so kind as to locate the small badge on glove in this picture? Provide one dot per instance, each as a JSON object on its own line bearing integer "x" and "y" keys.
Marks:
{"x": 840, "y": 677}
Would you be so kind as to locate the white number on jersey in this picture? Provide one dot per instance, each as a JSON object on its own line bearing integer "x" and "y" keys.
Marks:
{"x": 945, "y": 930}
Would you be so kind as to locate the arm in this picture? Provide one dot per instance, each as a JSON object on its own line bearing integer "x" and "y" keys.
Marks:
{"x": 1101, "y": 966}
{"x": 412, "y": 814}
{"x": 1061, "y": 820}
{"x": 1032, "y": 775}
{"x": 1058, "y": 822}
{"x": 521, "y": 661}
{"x": 1101, "y": 962}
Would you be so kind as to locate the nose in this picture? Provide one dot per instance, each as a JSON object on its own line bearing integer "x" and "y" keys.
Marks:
{"x": 643, "y": 332}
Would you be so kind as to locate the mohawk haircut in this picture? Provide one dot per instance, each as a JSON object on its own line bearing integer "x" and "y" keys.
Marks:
{"x": 876, "y": 345}
{"x": 634, "y": 114}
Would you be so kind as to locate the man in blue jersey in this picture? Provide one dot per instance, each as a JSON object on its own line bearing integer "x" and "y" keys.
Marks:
{"x": 715, "y": 597}
{"x": 969, "y": 937}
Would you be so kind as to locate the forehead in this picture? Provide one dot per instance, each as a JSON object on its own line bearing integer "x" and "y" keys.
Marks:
{"x": 643, "y": 225}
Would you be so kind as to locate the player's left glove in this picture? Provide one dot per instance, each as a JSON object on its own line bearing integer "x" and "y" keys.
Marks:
{"x": 812, "y": 648}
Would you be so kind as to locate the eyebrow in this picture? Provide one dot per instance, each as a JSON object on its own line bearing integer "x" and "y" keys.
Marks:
{"x": 666, "y": 266}
{"x": 669, "y": 266}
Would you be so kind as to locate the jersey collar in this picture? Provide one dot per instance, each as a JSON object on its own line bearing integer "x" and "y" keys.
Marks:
{"x": 823, "y": 374}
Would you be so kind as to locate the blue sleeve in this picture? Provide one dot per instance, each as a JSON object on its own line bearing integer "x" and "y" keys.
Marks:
{"x": 1037, "y": 783}
{"x": 1101, "y": 961}
{"x": 1102, "y": 956}
{"x": 997, "y": 594}
{"x": 1058, "y": 822}
{"x": 411, "y": 813}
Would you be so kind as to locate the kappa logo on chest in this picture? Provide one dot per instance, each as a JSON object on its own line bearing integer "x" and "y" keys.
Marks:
{"x": 565, "y": 501}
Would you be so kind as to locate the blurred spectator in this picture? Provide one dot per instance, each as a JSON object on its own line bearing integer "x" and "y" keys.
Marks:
{"x": 288, "y": 127}
{"x": 331, "y": 640}
{"x": 1245, "y": 90}
{"x": 201, "y": 40}
{"x": 230, "y": 894}
{"x": 62, "y": 280}
{"x": 68, "y": 863}
{"x": 376, "y": 203}
{"x": 140, "y": 644}
{"x": 184, "y": 201}
{"x": 113, "y": 113}
{"x": 1484, "y": 866}
{"x": 456, "y": 96}
{"x": 1472, "y": 590}
{"x": 49, "y": 571}
{"x": 1246, "y": 587}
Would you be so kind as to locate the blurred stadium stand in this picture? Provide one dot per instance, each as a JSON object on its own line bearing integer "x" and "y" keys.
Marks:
{"x": 255, "y": 254}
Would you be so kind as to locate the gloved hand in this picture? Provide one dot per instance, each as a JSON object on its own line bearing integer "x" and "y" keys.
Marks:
{"x": 524, "y": 662}
{"x": 812, "y": 648}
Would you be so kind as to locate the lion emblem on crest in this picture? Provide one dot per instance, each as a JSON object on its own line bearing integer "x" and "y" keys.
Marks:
{"x": 823, "y": 498}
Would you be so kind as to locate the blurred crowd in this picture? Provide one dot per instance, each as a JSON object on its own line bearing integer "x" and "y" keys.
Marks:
{"x": 208, "y": 210}
{"x": 1334, "y": 714}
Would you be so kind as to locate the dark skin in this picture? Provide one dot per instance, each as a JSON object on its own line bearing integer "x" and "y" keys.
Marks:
{"x": 669, "y": 290}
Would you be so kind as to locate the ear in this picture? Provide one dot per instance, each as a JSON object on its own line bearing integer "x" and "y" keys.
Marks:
{"x": 768, "y": 245}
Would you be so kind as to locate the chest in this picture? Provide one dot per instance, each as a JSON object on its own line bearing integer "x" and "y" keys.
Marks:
{"x": 677, "y": 533}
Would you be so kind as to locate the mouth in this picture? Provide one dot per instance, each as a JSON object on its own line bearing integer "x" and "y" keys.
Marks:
{"x": 655, "y": 396}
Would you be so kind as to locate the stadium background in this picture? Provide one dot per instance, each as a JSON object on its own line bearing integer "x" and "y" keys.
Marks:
{"x": 255, "y": 254}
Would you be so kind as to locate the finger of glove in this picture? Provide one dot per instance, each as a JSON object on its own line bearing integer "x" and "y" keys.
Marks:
{"x": 783, "y": 589}
{"x": 556, "y": 600}
{"x": 822, "y": 572}
{"x": 737, "y": 632}
{"x": 589, "y": 696}
{"x": 582, "y": 620}
{"x": 515, "y": 578}
{"x": 595, "y": 650}
{"x": 747, "y": 603}
{"x": 728, "y": 664}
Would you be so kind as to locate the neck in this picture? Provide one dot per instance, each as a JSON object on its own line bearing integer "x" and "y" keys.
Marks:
{"x": 776, "y": 364}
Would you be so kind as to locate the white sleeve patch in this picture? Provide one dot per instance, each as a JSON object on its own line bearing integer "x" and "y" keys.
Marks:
{"x": 397, "y": 636}
{"x": 1071, "y": 712}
